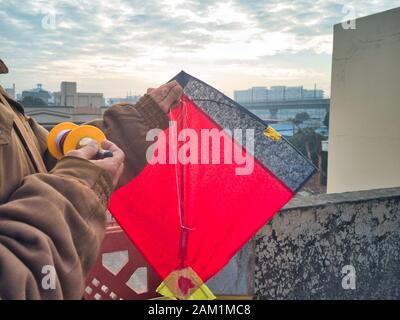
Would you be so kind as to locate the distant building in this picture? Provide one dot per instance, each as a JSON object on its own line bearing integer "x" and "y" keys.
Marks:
{"x": 128, "y": 99}
{"x": 259, "y": 94}
{"x": 49, "y": 116}
{"x": 11, "y": 91}
{"x": 38, "y": 93}
{"x": 293, "y": 93}
{"x": 255, "y": 94}
{"x": 69, "y": 96}
{"x": 282, "y": 103}
{"x": 243, "y": 96}
{"x": 276, "y": 93}
{"x": 313, "y": 94}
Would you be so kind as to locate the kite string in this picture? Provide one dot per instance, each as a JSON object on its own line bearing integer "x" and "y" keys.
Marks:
{"x": 175, "y": 144}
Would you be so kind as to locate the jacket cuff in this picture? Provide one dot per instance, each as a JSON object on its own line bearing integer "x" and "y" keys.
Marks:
{"x": 153, "y": 116}
{"x": 89, "y": 174}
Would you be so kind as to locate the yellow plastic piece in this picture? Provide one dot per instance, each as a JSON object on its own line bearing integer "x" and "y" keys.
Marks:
{"x": 52, "y": 138}
{"x": 272, "y": 134}
{"x": 198, "y": 290}
{"x": 85, "y": 131}
{"x": 75, "y": 135}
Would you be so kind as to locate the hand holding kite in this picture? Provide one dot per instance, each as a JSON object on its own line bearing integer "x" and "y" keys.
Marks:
{"x": 166, "y": 96}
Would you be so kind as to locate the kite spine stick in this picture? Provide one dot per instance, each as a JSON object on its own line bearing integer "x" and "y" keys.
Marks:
{"x": 171, "y": 287}
{"x": 184, "y": 229}
{"x": 180, "y": 187}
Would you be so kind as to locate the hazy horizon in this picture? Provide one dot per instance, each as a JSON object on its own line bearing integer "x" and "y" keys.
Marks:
{"x": 118, "y": 46}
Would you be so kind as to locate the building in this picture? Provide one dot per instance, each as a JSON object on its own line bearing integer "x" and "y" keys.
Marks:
{"x": 276, "y": 93}
{"x": 69, "y": 105}
{"x": 293, "y": 93}
{"x": 313, "y": 94}
{"x": 11, "y": 91}
{"x": 281, "y": 104}
{"x": 49, "y": 116}
{"x": 38, "y": 93}
{"x": 129, "y": 99}
{"x": 69, "y": 96}
{"x": 243, "y": 96}
{"x": 259, "y": 94}
{"x": 364, "y": 131}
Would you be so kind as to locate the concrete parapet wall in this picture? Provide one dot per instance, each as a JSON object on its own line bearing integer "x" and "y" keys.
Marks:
{"x": 300, "y": 254}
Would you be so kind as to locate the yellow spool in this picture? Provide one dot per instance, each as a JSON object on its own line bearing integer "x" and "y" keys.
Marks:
{"x": 85, "y": 131}
{"x": 75, "y": 134}
{"x": 52, "y": 138}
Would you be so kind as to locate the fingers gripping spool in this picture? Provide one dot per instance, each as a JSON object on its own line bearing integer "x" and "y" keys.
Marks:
{"x": 74, "y": 138}
{"x": 68, "y": 136}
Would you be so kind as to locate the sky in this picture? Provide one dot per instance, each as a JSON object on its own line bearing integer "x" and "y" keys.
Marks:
{"x": 125, "y": 46}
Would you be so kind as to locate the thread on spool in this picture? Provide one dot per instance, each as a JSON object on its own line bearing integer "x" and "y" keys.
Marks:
{"x": 61, "y": 138}
{"x": 67, "y": 136}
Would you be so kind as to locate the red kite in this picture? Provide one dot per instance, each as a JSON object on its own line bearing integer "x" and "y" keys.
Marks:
{"x": 213, "y": 179}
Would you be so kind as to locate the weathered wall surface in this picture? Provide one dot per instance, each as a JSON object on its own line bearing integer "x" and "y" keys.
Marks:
{"x": 364, "y": 131}
{"x": 301, "y": 252}
{"x": 237, "y": 278}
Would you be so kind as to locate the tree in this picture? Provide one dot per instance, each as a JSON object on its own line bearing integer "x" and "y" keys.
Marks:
{"x": 308, "y": 142}
{"x": 33, "y": 102}
{"x": 326, "y": 120}
{"x": 299, "y": 119}
{"x": 302, "y": 116}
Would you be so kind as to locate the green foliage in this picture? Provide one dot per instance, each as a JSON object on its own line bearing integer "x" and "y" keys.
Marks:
{"x": 299, "y": 119}
{"x": 308, "y": 142}
{"x": 302, "y": 116}
{"x": 326, "y": 120}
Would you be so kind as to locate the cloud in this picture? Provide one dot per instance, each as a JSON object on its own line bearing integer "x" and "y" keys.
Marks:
{"x": 151, "y": 40}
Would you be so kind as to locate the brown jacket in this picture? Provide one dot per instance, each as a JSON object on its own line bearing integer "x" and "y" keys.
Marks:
{"x": 52, "y": 214}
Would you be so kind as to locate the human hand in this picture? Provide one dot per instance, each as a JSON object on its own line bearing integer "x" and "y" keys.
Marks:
{"x": 166, "y": 96}
{"x": 113, "y": 165}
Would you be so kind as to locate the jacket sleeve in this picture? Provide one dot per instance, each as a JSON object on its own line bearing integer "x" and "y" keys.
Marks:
{"x": 124, "y": 124}
{"x": 55, "y": 220}
{"x": 127, "y": 126}
{"x": 50, "y": 230}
